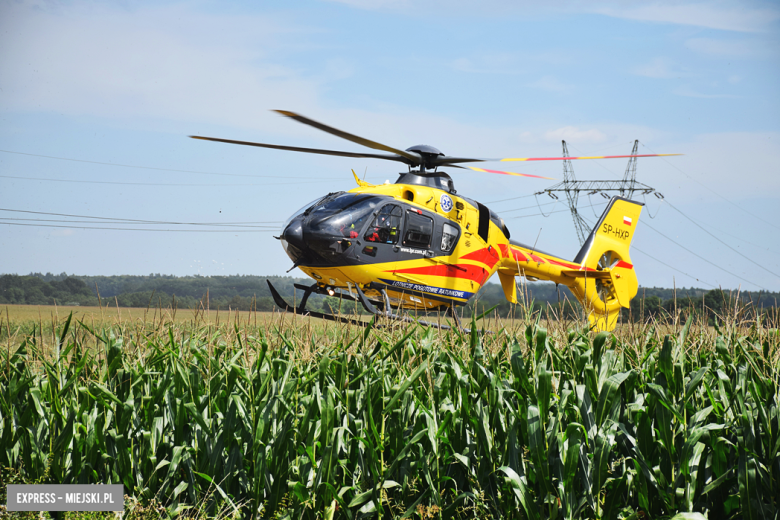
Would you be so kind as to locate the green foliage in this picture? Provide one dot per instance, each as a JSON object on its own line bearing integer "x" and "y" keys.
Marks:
{"x": 352, "y": 423}
{"x": 242, "y": 293}
{"x": 34, "y": 291}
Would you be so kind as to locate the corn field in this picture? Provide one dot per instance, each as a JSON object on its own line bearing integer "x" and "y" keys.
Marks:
{"x": 278, "y": 421}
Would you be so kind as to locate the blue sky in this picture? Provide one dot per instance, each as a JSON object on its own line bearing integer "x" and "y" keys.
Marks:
{"x": 126, "y": 83}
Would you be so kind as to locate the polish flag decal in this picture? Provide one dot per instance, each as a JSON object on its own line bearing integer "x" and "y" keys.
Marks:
{"x": 627, "y": 221}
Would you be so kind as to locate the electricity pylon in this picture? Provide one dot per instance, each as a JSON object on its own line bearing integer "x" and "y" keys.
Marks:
{"x": 629, "y": 178}
{"x": 572, "y": 197}
{"x": 572, "y": 188}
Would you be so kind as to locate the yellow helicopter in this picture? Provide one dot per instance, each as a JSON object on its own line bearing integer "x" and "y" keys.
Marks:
{"x": 416, "y": 244}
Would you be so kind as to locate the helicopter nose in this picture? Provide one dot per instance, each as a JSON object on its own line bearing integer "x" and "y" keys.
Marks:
{"x": 292, "y": 240}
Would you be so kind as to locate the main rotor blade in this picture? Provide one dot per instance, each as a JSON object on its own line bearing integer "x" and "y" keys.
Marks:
{"x": 445, "y": 160}
{"x": 307, "y": 150}
{"x": 413, "y": 158}
{"x": 501, "y": 172}
{"x": 585, "y": 157}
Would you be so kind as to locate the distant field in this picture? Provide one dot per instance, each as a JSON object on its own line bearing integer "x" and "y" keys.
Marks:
{"x": 21, "y": 319}
{"x": 108, "y": 315}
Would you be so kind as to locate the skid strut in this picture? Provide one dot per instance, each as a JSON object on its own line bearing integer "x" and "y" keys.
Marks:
{"x": 301, "y": 309}
{"x": 384, "y": 310}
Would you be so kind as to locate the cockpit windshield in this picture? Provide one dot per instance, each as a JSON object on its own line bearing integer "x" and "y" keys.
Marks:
{"x": 343, "y": 215}
{"x": 309, "y": 206}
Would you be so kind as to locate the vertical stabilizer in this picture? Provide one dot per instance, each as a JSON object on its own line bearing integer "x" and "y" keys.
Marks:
{"x": 608, "y": 281}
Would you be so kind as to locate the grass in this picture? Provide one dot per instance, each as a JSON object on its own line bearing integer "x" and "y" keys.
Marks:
{"x": 284, "y": 417}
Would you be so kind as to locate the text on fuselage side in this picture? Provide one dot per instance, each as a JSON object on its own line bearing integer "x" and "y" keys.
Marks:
{"x": 428, "y": 289}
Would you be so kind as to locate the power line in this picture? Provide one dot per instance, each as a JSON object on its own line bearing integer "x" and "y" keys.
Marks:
{"x": 702, "y": 258}
{"x": 160, "y": 169}
{"x": 503, "y": 212}
{"x": 721, "y": 241}
{"x": 715, "y": 192}
{"x": 760, "y": 246}
{"x": 553, "y": 211}
{"x": 4, "y": 220}
{"x": 539, "y": 206}
{"x": 513, "y": 198}
{"x": 178, "y": 185}
{"x": 136, "y": 220}
{"x": 673, "y": 268}
{"x": 146, "y": 229}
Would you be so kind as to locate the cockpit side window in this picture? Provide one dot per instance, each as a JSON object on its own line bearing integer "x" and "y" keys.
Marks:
{"x": 484, "y": 222}
{"x": 385, "y": 228}
{"x": 419, "y": 229}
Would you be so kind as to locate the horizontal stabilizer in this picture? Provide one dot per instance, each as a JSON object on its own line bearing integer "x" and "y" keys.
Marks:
{"x": 586, "y": 274}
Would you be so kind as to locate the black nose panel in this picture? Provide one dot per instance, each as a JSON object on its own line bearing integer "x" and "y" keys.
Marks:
{"x": 293, "y": 236}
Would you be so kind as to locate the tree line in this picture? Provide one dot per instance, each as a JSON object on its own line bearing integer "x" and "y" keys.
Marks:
{"x": 250, "y": 292}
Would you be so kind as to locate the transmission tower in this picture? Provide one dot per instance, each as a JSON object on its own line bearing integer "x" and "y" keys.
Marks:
{"x": 629, "y": 178}
{"x": 572, "y": 196}
{"x": 572, "y": 188}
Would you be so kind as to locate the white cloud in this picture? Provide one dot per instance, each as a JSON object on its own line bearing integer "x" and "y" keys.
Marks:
{"x": 510, "y": 62}
{"x": 717, "y": 14}
{"x": 488, "y": 64}
{"x": 168, "y": 62}
{"x": 550, "y": 84}
{"x": 659, "y": 68}
{"x": 714, "y": 15}
{"x": 727, "y": 48}
{"x": 602, "y": 138}
{"x": 373, "y": 5}
{"x": 688, "y": 91}
{"x": 572, "y": 133}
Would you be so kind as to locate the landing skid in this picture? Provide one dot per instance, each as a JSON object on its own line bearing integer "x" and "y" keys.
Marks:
{"x": 371, "y": 307}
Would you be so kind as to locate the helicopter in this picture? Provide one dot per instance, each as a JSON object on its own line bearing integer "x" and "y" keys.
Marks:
{"x": 418, "y": 245}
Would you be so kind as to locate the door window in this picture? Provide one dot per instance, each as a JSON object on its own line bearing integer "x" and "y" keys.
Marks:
{"x": 386, "y": 226}
{"x": 419, "y": 229}
{"x": 449, "y": 236}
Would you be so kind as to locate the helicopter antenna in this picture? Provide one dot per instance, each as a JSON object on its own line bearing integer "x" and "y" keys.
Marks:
{"x": 533, "y": 249}
{"x": 626, "y": 187}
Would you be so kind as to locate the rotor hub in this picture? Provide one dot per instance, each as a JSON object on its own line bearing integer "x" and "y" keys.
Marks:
{"x": 427, "y": 153}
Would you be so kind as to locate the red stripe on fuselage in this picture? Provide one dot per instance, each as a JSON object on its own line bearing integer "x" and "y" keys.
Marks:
{"x": 521, "y": 257}
{"x": 489, "y": 257}
{"x": 508, "y": 252}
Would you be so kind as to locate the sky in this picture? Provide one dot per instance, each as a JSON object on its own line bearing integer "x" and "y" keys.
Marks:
{"x": 97, "y": 100}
